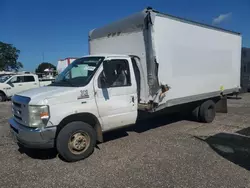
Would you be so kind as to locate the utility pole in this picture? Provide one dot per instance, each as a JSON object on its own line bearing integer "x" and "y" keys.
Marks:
{"x": 43, "y": 57}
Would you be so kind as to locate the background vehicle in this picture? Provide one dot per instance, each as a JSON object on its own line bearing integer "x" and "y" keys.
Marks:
{"x": 11, "y": 84}
{"x": 245, "y": 70}
{"x": 63, "y": 63}
{"x": 166, "y": 63}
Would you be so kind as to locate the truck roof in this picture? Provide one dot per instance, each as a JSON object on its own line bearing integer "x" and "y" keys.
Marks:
{"x": 24, "y": 74}
{"x": 107, "y": 55}
{"x": 137, "y": 21}
{"x": 194, "y": 22}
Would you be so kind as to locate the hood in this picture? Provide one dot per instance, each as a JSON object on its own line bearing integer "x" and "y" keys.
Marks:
{"x": 37, "y": 95}
{"x": 3, "y": 85}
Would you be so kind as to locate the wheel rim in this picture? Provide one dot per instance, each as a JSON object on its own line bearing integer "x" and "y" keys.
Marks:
{"x": 79, "y": 142}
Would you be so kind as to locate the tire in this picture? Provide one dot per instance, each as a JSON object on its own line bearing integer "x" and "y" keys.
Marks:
{"x": 70, "y": 141}
{"x": 195, "y": 114}
{"x": 2, "y": 97}
{"x": 207, "y": 111}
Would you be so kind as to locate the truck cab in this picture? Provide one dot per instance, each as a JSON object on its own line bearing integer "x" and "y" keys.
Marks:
{"x": 99, "y": 91}
{"x": 102, "y": 85}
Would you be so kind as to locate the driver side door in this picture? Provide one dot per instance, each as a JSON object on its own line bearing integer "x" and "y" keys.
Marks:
{"x": 117, "y": 103}
{"x": 16, "y": 85}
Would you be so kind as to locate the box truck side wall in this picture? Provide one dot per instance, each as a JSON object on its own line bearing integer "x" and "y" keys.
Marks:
{"x": 194, "y": 60}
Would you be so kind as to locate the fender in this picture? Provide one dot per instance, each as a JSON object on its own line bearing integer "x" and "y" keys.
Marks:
{"x": 1, "y": 91}
{"x": 4, "y": 88}
{"x": 85, "y": 117}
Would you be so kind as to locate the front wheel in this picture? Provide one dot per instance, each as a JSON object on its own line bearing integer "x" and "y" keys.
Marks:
{"x": 2, "y": 97}
{"x": 76, "y": 141}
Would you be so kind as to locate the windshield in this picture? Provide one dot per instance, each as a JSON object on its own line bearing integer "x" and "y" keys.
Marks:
{"x": 3, "y": 78}
{"x": 79, "y": 72}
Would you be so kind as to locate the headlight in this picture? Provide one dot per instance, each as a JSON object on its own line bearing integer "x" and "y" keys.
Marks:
{"x": 38, "y": 116}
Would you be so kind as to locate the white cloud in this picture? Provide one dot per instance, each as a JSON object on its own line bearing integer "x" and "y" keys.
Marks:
{"x": 222, "y": 18}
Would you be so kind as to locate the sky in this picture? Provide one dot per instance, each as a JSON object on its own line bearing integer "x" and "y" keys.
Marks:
{"x": 56, "y": 29}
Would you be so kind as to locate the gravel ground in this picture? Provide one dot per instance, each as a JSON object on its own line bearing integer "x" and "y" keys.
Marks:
{"x": 162, "y": 152}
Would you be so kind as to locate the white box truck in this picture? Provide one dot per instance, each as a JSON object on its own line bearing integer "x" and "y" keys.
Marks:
{"x": 147, "y": 62}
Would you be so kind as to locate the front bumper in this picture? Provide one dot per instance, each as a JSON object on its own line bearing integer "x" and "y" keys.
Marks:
{"x": 39, "y": 138}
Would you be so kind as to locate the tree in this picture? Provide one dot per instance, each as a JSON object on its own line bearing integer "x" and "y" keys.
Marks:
{"x": 45, "y": 65}
{"x": 8, "y": 57}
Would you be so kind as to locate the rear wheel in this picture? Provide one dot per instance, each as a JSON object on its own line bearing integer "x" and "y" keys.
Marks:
{"x": 207, "y": 111}
{"x": 76, "y": 141}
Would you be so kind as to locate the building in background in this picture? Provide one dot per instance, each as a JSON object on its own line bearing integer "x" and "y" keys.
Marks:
{"x": 245, "y": 69}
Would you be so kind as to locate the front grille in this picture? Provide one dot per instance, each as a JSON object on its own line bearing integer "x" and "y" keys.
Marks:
{"x": 17, "y": 104}
{"x": 17, "y": 112}
{"x": 17, "y": 117}
{"x": 20, "y": 109}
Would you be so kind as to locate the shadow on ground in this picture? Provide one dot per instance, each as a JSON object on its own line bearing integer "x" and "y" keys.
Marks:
{"x": 144, "y": 125}
{"x": 234, "y": 97}
{"x": 139, "y": 127}
{"x": 42, "y": 154}
{"x": 233, "y": 147}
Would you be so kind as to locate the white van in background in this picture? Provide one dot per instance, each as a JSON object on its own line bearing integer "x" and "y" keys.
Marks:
{"x": 11, "y": 84}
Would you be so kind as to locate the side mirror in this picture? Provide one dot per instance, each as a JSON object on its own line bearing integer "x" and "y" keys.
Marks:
{"x": 108, "y": 72}
{"x": 11, "y": 84}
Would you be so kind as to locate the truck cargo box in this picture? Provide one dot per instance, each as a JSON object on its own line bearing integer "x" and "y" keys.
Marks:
{"x": 196, "y": 61}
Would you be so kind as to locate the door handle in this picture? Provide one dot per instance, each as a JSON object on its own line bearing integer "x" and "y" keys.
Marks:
{"x": 35, "y": 83}
{"x": 20, "y": 84}
{"x": 133, "y": 99}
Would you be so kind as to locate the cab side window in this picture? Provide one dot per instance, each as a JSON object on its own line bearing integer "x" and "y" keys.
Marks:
{"x": 120, "y": 73}
{"x": 16, "y": 79}
{"x": 29, "y": 79}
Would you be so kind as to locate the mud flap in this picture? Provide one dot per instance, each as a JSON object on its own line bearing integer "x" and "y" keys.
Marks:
{"x": 221, "y": 105}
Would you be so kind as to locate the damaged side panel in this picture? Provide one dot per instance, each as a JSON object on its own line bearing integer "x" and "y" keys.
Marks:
{"x": 130, "y": 36}
{"x": 152, "y": 65}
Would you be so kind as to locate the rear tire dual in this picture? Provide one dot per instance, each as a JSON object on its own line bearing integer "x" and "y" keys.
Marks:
{"x": 205, "y": 112}
{"x": 76, "y": 141}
